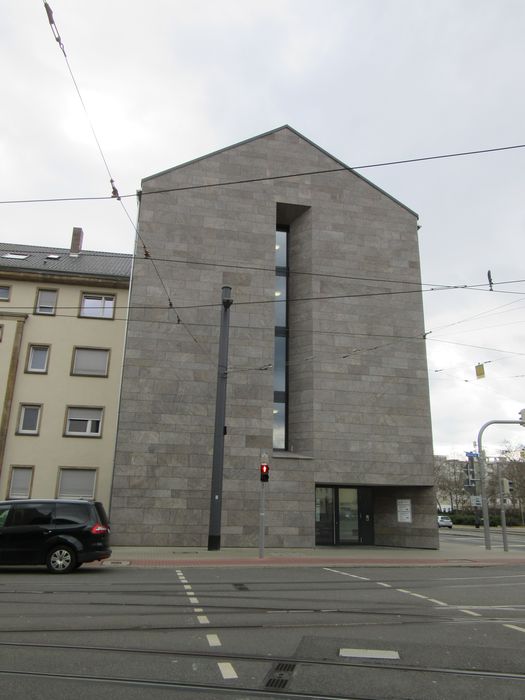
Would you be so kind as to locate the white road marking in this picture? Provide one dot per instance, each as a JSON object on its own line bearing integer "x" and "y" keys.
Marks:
{"x": 213, "y": 640}
{"x": 386, "y": 585}
{"x": 515, "y": 627}
{"x": 194, "y": 601}
{"x": 203, "y": 619}
{"x": 369, "y": 653}
{"x": 471, "y": 612}
{"x": 187, "y": 586}
{"x": 438, "y": 602}
{"x": 197, "y": 610}
{"x": 343, "y": 573}
{"x": 403, "y": 590}
{"x": 227, "y": 670}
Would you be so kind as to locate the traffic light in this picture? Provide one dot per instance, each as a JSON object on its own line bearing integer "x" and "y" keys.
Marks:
{"x": 265, "y": 472}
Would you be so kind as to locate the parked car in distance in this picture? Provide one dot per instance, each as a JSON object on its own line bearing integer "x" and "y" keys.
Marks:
{"x": 444, "y": 521}
{"x": 62, "y": 534}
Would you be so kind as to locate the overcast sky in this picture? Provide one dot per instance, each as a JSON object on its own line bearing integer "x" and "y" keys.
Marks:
{"x": 369, "y": 81}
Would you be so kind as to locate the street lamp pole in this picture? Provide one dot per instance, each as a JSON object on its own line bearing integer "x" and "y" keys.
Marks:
{"x": 484, "y": 504}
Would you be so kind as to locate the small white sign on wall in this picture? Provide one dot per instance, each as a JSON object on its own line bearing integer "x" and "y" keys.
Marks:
{"x": 404, "y": 510}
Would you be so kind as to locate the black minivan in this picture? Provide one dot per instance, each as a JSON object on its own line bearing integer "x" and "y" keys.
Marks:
{"x": 62, "y": 534}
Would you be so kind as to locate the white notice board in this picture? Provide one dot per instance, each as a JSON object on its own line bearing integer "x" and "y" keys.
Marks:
{"x": 404, "y": 510}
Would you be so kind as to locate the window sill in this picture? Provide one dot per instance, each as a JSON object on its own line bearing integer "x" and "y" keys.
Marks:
{"x": 283, "y": 454}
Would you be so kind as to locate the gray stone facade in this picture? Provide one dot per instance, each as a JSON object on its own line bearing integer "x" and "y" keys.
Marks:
{"x": 359, "y": 411}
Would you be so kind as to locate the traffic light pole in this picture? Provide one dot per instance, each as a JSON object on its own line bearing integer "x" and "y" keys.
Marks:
{"x": 214, "y": 532}
{"x": 262, "y": 499}
{"x": 484, "y": 504}
{"x": 264, "y": 476}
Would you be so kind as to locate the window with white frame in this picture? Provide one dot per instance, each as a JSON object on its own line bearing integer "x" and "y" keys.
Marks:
{"x": 46, "y": 302}
{"x": 37, "y": 358}
{"x": 84, "y": 422}
{"x": 76, "y": 483}
{"x": 92, "y": 362}
{"x": 5, "y": 293}
{"x": 29, "y": 422}
{"x": 97, "y": 305}
{"x": 20, "y": 482}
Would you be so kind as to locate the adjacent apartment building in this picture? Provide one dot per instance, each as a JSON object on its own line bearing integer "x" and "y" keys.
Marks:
{"x": 62, "y": 329}
{"x": 326, "y": 374}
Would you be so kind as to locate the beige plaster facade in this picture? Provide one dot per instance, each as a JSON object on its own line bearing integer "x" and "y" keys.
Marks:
{"x": 60, "y": 370}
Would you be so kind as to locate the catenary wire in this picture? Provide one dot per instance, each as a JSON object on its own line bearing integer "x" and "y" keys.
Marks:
{"x": 271, "y": 177}
{"x": 114, "y": 191}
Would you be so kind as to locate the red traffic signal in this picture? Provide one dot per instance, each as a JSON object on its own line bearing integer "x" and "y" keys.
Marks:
{"x": 265, "y": 472}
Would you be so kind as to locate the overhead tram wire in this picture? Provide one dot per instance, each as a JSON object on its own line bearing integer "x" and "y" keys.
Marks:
{"x": 114, "y": 191}
{"x": 345, "y": 168}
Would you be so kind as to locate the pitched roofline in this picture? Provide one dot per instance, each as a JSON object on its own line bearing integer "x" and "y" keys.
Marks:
{"x": 269, "y": 133}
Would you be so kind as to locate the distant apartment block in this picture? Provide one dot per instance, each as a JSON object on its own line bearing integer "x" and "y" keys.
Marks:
{"x": 62, "y": 327}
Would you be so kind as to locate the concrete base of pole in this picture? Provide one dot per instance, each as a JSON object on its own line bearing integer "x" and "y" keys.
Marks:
{"x": 214, "y": 543}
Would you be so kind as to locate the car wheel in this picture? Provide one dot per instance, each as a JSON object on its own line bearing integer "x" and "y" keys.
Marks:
{"x": 61, "y": 560}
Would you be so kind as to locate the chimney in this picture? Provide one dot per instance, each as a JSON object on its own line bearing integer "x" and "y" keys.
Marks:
{"x": 76, "y": 242}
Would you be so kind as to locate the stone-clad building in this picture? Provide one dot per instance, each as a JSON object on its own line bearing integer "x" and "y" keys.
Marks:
{"x": 327, "y": 369}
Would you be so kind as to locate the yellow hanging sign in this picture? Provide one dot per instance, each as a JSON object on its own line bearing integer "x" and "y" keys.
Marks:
{"x": 480, "y": 371}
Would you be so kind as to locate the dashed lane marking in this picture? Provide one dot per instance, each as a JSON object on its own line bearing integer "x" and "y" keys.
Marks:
{"x": 369, "y": 653}
{"x": 471, "y": 612}
{"x": 343, "y": 573}
{"x": 194, "y": 601}
{"x": 515, "y": 627}
{"x": 385, "y": 585}
{"x": 213, "y": 640}
{"x": 203, "y": 619}
{"x": 227, "y": 671}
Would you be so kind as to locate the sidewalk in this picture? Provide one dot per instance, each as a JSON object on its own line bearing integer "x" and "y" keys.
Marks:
{"x": 450, "y": 554}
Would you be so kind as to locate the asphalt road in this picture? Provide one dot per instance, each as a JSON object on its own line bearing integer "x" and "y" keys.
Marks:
{"x": 271, "y": 632}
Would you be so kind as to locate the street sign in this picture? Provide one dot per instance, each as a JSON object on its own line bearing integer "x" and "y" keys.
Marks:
{"x": 475, "y": 501}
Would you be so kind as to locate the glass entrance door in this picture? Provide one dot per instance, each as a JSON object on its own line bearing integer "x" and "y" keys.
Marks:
{"x": 324, "y": 515}
{"x": 347, "y": 516}
{"x": 343, "y": 515}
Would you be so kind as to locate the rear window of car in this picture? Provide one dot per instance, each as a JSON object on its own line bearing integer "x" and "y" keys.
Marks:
{"x": 32, "y": 514}
{"x": 102, "y": 516}
{"x": 72, "y": 513}
{"x": 4, "y": 512}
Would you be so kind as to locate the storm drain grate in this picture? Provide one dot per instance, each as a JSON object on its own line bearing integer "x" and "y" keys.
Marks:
{"x": 280, "y": 676}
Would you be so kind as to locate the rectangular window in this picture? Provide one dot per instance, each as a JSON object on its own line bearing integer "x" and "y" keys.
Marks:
{"x": 97, "y": 305}
{"x": 29, "y": 422}
{"x": 15, "y": 256}
{"x": 76, "y": 483}
{"x": 92, "y": 362}
{"x": 20, "y": 484}
{"x": 4, "y": 293}
{"x": 84, "y": 422}
{"x": 37, "y": 358}
{"x": 46, "y": 302}
{"x": 280, "y": 362}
